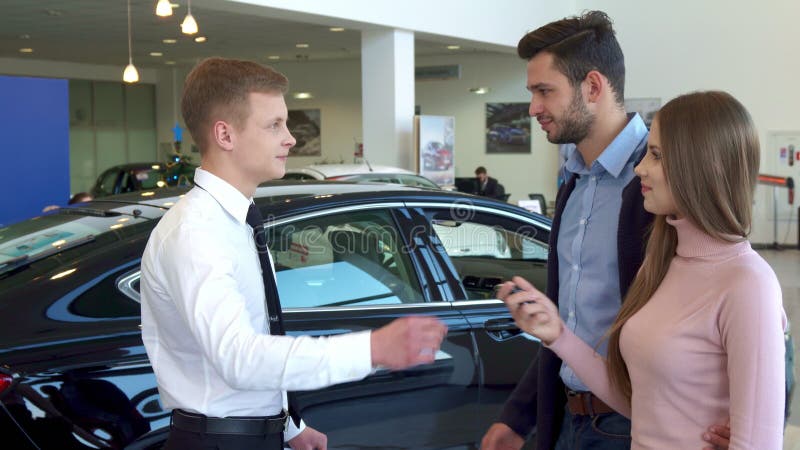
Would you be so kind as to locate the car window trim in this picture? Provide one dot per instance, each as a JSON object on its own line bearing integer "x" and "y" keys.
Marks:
{"x": 485, "y": 209}
{"x": 335, "y": 210}
{"x": 426, "y": 305}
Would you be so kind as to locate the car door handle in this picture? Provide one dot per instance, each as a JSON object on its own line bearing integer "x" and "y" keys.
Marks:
{"x": 505, "y": 324}
{"x": 501, "y": 329}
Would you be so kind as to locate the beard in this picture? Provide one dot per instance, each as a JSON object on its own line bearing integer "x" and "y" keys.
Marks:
{"x": 574, "y": 125}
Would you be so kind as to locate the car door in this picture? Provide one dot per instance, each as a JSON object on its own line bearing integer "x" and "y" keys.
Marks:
{"x": 480, "y": 247}
{"x": 358, "y": 268}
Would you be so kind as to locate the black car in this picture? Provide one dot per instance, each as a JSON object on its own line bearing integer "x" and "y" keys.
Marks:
{"x": 74, "y": 372}
{"x": 142, "y": 176}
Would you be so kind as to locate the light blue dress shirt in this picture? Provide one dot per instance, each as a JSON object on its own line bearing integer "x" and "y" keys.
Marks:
{"x": 589, "y": 292}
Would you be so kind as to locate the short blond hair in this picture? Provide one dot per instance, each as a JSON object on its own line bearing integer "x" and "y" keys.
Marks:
{"x": 219, "y": 88}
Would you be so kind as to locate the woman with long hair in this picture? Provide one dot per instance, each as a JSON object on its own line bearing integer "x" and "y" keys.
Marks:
{"x": 699, "y": 336}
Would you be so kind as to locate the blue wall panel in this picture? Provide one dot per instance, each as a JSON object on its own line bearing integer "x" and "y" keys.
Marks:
{"x": 34, "y": 155}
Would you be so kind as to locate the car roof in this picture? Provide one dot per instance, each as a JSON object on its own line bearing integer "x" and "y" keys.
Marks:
{"x": 322, "y": 171}
{"x": 285, "y": 196}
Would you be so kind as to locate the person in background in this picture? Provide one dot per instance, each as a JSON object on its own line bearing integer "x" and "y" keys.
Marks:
{"x": 699, "y": 337}
{"x": 211, "y": 319}
{"x": 487, "y": 186}
{"x": 576, "y": 78}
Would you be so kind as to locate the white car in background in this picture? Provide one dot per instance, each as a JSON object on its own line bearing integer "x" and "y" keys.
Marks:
{"x": 360, "y": 173}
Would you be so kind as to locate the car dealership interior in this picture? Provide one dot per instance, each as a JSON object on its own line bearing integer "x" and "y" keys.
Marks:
{"x": 91, "y": 85}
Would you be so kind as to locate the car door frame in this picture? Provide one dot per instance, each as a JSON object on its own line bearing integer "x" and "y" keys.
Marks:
{"x": 449, "y": 386}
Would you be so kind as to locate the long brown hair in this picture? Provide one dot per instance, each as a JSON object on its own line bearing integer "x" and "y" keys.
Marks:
{"x": 710, "y": 157}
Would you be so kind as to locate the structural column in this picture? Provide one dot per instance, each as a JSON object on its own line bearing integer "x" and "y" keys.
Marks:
{"x": 387, "y": 97}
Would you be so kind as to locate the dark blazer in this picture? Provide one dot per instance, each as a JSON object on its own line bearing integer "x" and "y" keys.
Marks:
{"x": 525, "y": 408}
{"x": 493, "y": 189}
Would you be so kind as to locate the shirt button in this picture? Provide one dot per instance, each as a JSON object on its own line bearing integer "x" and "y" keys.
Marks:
{"x": 594, "y": 178}
{"x": 572, "y": 313}
{"x": 583, "y": 221}
{"x": 575, "y": 267}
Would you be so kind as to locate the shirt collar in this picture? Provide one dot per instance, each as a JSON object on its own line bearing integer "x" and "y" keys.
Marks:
{"x": 224, "y": 193}
{"x": 616, "y": 156}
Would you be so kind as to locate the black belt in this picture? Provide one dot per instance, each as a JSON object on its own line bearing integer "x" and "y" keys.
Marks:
{"x": 255, "y": 426}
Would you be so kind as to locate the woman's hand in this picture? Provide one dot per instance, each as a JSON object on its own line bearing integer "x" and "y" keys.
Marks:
{"x": 532, "y": 311}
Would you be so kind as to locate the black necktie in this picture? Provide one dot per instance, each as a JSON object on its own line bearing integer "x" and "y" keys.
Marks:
{"x": 270, "y": 287}
{"x": 274, "y": 314}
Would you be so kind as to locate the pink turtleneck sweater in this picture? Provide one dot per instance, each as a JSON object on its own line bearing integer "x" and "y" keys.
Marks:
{"x": 707, "y": 346}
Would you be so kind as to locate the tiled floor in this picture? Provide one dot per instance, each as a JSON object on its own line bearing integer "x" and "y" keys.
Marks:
{"x": 786, "y": 264}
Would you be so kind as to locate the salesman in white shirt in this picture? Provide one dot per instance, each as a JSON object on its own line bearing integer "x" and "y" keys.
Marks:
{"x": 204, "y": 319}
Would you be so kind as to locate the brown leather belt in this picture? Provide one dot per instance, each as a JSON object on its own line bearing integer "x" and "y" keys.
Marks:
{"x": 253, "y": 426}
{"x": 586, "y": 404}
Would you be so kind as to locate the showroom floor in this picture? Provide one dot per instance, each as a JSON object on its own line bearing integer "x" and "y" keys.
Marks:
{"x": 786, "y": 264}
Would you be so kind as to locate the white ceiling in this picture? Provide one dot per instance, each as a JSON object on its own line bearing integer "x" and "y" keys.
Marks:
{"x": 95, "y": 31}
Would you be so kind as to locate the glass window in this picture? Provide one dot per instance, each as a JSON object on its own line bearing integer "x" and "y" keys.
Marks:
{"x": 487, "y": 249}
{"x": 298, "y": 176}
{"x": 417, "y": 181}
{"x": 108, "y": 182}
{"x": 342, "y": 260}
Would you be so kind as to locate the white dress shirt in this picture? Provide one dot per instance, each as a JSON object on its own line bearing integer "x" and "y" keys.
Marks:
{"x": 204, "y": 322}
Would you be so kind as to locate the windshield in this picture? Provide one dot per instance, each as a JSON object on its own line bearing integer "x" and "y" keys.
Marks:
{"x": 33, "y": 239}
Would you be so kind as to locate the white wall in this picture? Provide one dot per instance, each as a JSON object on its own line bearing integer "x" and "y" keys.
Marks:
{"x": 521, "y": 174}
{"x": 750, "y": 49}
{"x": 500, "y": 22}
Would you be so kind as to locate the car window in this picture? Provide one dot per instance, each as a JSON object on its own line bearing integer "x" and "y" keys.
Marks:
{"x": 342, "y": 260}
{"x": 148, "y": 178}
{"x": 297, "y": 176}
{"x": 108, "y": 182}
{"x": 417, "y": 181}
{"x": 37, "y": 238}
{"x": 487, "y": 249}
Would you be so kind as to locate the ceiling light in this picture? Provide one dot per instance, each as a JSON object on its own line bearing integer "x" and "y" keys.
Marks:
{"x": 169, "y": 63}
{"x": 130, "y": 75}
{"x": 302, "y": 95}
{"x": 336, "y": 29}
{"x": 26, "y": 50}
{"x": 189, "y": 25}
{"x": 169, "y": 41}
{"x": 24, "y": 36}
{"x": 301, "y": 45}
{"x": 479, "y": 90}
{"x": 273, "y": 57}
{"x": 163, "y": 8}
{"x": 156, "y": 54}
{"x": 453, "y": 47}
{"x": 200, "y": 39}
